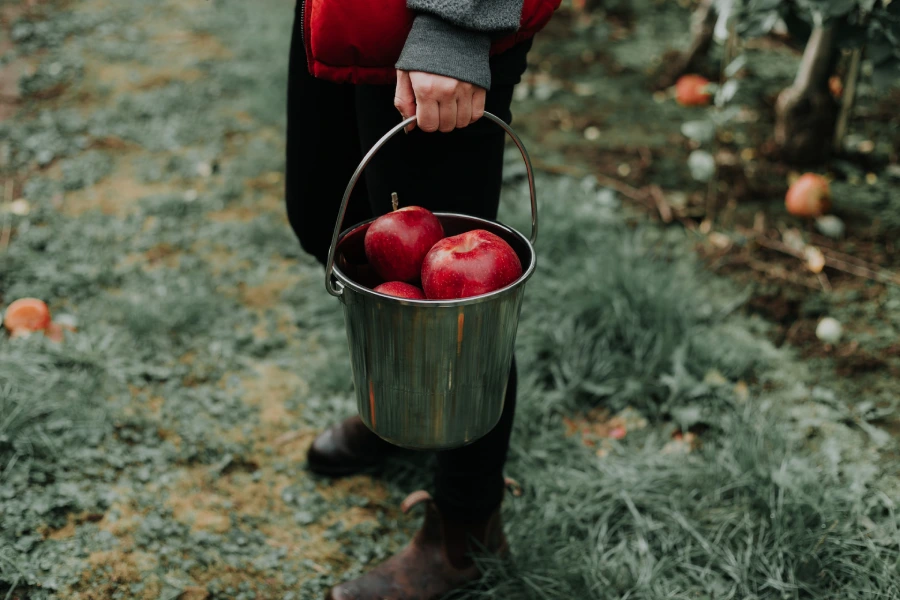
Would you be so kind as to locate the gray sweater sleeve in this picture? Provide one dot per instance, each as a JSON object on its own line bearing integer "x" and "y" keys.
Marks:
{"x": 453, "y": 37}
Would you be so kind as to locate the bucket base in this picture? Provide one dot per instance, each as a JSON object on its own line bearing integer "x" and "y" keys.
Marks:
{"x": 430, "y": 447}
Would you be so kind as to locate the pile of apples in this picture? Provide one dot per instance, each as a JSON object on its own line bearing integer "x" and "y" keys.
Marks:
{"x": 407, "y": 246}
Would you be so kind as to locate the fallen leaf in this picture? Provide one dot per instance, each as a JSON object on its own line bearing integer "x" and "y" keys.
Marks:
{"x": 815, "y": 260}
{"x": 719, "y": 240}
{"x": 20, "y": 207}
{"x": 794, "y": 239}
{"x": 714, "y": 377}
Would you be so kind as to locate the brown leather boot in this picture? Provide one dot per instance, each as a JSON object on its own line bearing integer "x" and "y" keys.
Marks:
{"x": 436, "y": 562}
{"x": 347, "y": 448}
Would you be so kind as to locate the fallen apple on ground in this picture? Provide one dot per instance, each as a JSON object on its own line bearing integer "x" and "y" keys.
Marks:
{"x": 400, "y": 290}
{"x": 836, "y": 87}
{"x": 809, "y": 196}
{"x": 26, "y": 315}
{"x": 396, "y": 243}
{"x": 469, "y": 264}
{"x": 692, "y": 90}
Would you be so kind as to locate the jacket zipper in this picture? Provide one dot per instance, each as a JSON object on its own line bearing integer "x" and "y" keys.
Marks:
{"x": 304, "y": 36}
{"x": 302, "y": 24}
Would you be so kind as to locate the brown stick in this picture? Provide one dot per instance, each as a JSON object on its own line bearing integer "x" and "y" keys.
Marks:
{"x": 665, "y": 211}
{"x": 763, "y": 267}
{"x": 7, "y": 220}
{"x": 288, "y": 437}
{"x": 642, "y": 196}
{"x": 558, "y": 169}
{"x": 840, "y": 256}
{"x": 5, "y": 234}
{"x": 621, "y": 187}
{"x": 865, "y": 270}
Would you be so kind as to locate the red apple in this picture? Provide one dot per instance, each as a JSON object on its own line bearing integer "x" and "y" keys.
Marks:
{"x": 809, "y": 196}
{"x": 401, "y": 290}
{"x": 836, "y": 87}
{"x": 396, "y": 243}
{"x": 469, "y": 264}
{"x": 692, "y": 90}
{"x": 27, "y": 315}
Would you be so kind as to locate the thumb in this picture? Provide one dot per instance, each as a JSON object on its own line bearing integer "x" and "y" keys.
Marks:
{"x": 404, "y": 97}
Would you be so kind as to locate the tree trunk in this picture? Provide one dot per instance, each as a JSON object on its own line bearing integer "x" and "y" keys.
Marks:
{"x": 703, "y": 23}
{"x": 805, "y": 112}
{"x": 847, "y": 99}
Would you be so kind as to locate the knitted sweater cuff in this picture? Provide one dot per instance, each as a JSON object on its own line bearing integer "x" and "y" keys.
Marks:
{"x": 436, "y": 46}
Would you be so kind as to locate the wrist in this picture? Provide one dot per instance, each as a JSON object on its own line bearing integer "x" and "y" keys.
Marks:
{"x": 437, "y": 46}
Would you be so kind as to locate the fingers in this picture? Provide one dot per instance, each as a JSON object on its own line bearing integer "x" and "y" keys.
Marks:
{"x": 448, "y": 115}
{"x": 478, "y": 103}
{"x": 428, "y": 115}
{"x": 441, "y": 103}
{"x": 405, "y": 97}
{"x": 463, "y": 110}
{"x": 431, "y": 91}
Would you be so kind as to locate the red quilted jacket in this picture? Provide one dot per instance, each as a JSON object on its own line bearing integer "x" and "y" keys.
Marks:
{"x": 359, "y": 41}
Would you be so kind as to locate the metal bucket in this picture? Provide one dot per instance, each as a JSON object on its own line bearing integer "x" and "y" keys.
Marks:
{"x": 429, "y": 375}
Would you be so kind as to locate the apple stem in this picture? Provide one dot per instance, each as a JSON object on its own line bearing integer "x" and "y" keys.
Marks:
{"x": 395, "y": 201}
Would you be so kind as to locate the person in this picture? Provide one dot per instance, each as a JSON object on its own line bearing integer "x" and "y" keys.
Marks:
{"x": 458, "y": 59}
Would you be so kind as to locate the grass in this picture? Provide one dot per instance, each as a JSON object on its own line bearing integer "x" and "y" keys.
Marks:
{"x": 177, "y": 401}
{"x": 756, "y": 512}
{"x": 635, "y": 321}
{"x": 751, "y": 515}
{"x": 47, "y": 400}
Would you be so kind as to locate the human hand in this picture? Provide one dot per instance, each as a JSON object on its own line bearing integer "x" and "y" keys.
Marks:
{"x": 439, "y": 102}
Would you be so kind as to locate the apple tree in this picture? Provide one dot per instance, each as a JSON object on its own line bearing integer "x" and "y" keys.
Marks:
{"x": 807, "y": 115}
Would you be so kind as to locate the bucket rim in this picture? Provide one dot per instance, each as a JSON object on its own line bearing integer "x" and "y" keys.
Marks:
{"x": 346, "y": 282}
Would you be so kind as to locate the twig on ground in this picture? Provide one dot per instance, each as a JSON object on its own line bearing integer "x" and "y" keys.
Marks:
{"x": 6, "y": 230}
{"x": 5, "y": 233}
{"x": 759, "y": 222}
{"x": 665, "y": 211}
{"x": 646, "y": 156}
{"x": 854, "y": 266}
{"x": 829, "y": 250}
{"x": 558, "y": 169}
{"x": 287, "y": 437}
{"x": 727, "y": 259}
{"x": 651, "y": 197}
{"x": 792, "y": 330}
{"x": 778, "y": 272}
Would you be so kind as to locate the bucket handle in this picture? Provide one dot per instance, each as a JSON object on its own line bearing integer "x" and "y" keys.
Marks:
{"x": 337, "y": 290}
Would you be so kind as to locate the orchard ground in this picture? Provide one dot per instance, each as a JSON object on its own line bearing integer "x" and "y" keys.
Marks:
{"x": 681, "y": 433}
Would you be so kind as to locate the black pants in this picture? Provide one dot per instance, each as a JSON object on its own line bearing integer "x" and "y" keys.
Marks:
{"x": 329, "y": 128}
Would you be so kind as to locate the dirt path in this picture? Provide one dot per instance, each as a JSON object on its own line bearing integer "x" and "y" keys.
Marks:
{"x": 148, "y": 131}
